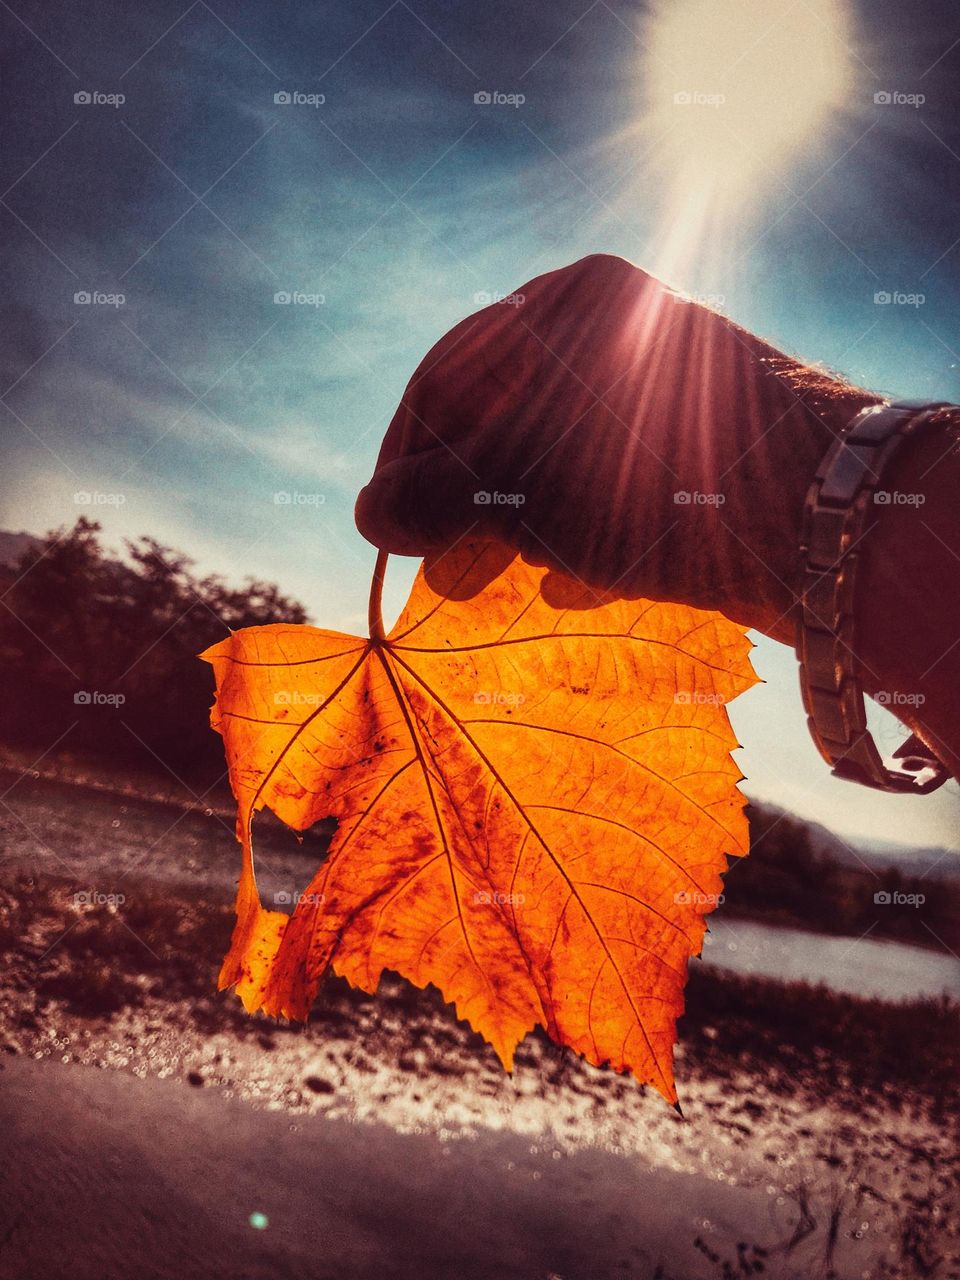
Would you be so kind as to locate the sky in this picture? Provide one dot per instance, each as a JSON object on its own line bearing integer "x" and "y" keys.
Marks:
{"x": 147, "y": 163}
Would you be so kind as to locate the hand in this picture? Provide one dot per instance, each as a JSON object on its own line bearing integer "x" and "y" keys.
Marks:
{"x": 617, "y": 433}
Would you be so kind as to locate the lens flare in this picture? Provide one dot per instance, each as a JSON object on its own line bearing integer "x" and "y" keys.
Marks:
{"x": 739, "y": 85}
{"x": 734, "y": 92}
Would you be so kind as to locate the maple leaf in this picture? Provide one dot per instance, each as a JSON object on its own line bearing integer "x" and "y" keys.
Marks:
{"x": 534, "y": 805}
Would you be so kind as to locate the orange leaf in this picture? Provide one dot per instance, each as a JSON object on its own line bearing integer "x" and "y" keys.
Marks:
{"x": 534, "y": 806}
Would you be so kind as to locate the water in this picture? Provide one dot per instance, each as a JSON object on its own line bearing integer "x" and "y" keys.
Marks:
{"x": 860, "y": 967}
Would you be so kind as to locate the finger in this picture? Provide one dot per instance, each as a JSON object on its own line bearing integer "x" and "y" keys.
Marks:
{"x": 421, "y": 503}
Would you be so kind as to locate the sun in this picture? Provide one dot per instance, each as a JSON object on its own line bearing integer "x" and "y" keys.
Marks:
{"x": 734, "y": 88}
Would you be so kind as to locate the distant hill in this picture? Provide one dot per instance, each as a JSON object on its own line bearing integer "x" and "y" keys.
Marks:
{"x": 940, "y": 863}
{"x": 880, "y": 855}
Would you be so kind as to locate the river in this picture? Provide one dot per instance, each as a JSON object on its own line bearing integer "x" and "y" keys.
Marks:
{"x": 858, "y": 966}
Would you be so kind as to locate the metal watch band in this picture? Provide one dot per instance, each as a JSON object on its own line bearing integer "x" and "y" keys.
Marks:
{"x": 839, "y": 504}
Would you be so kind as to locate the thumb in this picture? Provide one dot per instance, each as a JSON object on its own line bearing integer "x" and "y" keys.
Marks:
{"x": 421, "y": 502}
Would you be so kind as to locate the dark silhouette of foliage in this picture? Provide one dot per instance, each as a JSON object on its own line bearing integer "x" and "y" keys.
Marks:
{"x": 82, "y": 630}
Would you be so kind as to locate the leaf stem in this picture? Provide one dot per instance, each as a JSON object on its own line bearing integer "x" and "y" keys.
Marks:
{"x": 376, "y": 592}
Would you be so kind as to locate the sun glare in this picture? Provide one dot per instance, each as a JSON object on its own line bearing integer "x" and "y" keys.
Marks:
{"x": 736, "y": 87}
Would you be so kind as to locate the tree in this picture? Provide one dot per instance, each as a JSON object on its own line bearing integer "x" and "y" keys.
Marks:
{"x": 108, "y": 646}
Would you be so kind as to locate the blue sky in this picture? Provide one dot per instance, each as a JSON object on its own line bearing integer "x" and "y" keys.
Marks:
{"x": 402, "y": 201}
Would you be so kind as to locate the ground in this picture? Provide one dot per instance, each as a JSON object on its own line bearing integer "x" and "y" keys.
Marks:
{"x": 150, "y": 1117}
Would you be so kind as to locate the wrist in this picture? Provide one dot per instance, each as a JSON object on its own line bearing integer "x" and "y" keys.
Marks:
{"x": 850, "y": 586}
{"x": 817, "y": 410}
{"x": 908, "y": 596}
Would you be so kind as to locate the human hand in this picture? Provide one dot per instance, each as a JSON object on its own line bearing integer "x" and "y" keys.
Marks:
{"x": 624, "y": 436}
